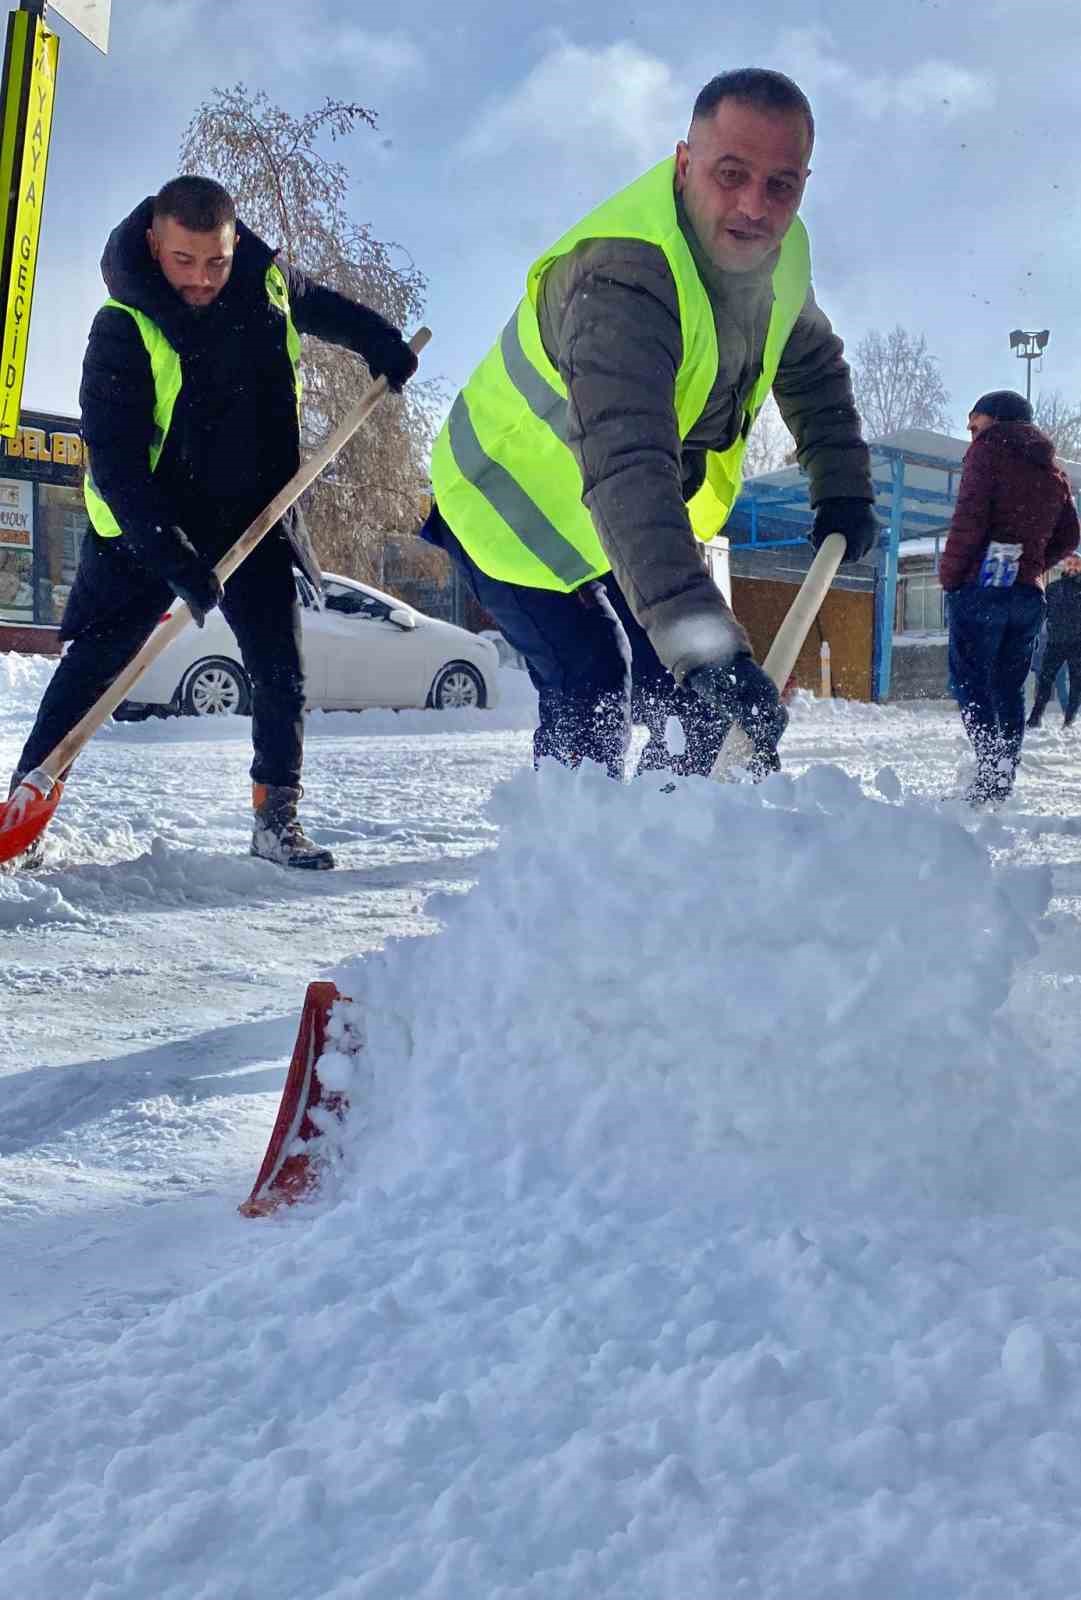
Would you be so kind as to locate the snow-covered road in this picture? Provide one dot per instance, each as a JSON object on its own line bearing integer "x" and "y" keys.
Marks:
{"x": 708, "y": 1217}
{"x": 151, "y": 978}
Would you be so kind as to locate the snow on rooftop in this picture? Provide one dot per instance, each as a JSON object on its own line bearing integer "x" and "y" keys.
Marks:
{"x": 917, "y": 441}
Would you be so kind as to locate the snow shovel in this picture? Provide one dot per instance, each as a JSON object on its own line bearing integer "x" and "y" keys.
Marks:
{"x": 26, "y": 812}
{"x": 781, "y": 659}
{"x": 309, "y": 1116}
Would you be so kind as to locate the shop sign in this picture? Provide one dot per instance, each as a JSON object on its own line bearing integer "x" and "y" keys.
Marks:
{"x": 16, "y": 514}
{"x": 38, "y": 444}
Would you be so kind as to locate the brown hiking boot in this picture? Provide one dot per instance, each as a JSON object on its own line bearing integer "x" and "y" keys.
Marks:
{"x": 278, "y": 836}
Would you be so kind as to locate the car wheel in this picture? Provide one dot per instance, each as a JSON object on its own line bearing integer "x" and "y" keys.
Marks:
{"x": 457, "y": 685}
{"x": 215, "y": 687}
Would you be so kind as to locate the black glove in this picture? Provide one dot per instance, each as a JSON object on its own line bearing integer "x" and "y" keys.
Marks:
{"x": 854, "y": 518}
{"x": 201, "y": 594}
{"x": 188, "y": 574}
{"x": 391, "y": 358}
{"x": 740, "y": 690}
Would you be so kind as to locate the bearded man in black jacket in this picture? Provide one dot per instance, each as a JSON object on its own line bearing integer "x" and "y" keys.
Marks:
{"x": 189, "y": 398}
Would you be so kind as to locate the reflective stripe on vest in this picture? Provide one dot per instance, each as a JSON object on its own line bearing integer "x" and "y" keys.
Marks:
{"x": 505, "y": 479}
{"x": 168, "y": 379}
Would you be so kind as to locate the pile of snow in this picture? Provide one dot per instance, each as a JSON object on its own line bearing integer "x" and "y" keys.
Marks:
{"x": 159, "y": 878}
{"x": 22, "y": 684}
{"x": 799, "y": 976}
{"x": 684, "y": 1242}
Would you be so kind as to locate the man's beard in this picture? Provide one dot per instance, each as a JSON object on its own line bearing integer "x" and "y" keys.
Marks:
{"x": 199, "y": 308}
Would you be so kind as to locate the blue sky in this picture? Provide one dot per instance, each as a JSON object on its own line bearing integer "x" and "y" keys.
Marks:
{"x": 944, "y": 192}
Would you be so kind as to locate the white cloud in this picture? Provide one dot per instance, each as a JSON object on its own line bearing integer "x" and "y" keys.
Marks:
{"x": 614, "y": 101}
{"x": 933, "y": 89}
{"x": 394, "y": 57}
{"x": 376, "y": 59}
{"x": 166, "y": 27}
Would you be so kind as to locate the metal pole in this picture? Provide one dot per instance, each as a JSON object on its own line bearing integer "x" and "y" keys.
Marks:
{"x": 887, "y": 592}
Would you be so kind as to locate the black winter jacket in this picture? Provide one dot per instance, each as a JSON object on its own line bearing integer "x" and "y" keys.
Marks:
{"x": 610, "y": 321}
{"x": 1064, "y": 608}
{"x": 234, "y": 438}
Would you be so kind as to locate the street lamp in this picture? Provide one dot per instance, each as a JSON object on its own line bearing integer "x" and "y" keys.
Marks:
{"x": 1028, "y": 347}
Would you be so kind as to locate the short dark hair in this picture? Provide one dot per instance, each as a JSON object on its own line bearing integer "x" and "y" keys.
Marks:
{"x": 1002, "y": 405}
{"x": 198, "y": 204}
{"x": 755, "y": 86}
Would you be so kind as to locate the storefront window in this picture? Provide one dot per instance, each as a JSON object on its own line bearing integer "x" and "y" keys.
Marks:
{"x": 42, "y": 519}
{"x": 16, "y": 550}
{"x": 62, "y": 523}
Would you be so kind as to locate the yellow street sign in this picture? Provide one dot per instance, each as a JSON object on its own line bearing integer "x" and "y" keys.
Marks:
{"x": 27, "y": 95}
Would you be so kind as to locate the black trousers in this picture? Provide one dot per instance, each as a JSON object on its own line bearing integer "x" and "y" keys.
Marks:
{"x": 114, "y": 618}
{"x": 1059, "y": 651}
{"x": 594, "y": 670}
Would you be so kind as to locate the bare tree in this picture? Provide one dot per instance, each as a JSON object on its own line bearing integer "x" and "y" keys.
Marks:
{"x": 898, "y": 384}
{"x": 289, "y": 192}
{"x": 769, "y": 444}
{"x": 1062, "y": 421}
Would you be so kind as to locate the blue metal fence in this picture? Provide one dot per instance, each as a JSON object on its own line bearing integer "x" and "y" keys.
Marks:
{"x": 778, "y": 515}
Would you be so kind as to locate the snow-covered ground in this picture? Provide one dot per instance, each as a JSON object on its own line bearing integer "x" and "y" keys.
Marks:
{"x": 706, "y": 1221}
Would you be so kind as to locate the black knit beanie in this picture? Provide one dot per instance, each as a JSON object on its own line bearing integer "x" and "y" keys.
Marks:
{"x": 1005, "y": 405}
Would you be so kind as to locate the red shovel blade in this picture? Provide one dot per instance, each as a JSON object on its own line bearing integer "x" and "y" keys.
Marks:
{"x": 288, "y": 1174}
{"x": 26, "y": 812}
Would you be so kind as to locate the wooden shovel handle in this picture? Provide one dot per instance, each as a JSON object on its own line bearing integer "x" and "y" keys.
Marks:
{"x": 59, "y": 759}
{"x": 783, "y": 652}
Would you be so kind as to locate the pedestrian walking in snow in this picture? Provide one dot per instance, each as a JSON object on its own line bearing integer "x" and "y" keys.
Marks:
{"x": 1063, "y": 647}
{"x": 1061, "y": 678}
{"x": 1014, "y": 519}
{"x": 190, "y": 405}
{"x": 603, "y": 435}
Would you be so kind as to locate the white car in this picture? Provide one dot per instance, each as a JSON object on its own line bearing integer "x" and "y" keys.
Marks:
{"x": 361, "y": 648}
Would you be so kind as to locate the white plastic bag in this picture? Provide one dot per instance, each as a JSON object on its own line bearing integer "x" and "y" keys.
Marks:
{"x": 998, "y": 570}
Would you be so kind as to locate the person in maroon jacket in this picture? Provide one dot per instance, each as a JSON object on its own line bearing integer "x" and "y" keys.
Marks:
{"x": 1014, "y": 519}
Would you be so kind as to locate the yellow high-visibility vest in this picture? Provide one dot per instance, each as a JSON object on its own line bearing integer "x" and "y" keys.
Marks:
{"x": 168, "y": 379}
{"x": 503, "y": 475}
